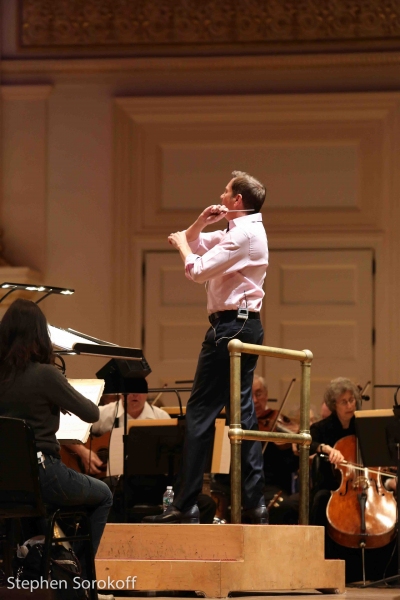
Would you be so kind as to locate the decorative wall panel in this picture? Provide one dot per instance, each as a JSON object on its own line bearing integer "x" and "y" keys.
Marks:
{"x": 328, "y": 339}
{"x": 303, "y": 172}
{"x": 218, "y": 26}
{"x": 326, "y": 284}
{"x": 321, "y": 161}
{"x": 24, "y": 155}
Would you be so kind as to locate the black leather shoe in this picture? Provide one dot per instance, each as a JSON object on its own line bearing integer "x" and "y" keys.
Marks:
{"x": 174, "y": 515}
{"x": 255, "y": 516}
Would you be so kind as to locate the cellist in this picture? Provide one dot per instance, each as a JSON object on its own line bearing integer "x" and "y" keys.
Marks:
{"x": 342, "y": 397}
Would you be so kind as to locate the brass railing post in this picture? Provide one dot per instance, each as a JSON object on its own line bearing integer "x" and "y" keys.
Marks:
{"x": 236, "y": 442}
{"x": 304, "y": 450}
{"x": 237, "y": 434}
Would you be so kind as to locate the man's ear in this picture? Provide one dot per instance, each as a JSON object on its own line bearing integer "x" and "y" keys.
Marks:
{"x": 238, "y": 199}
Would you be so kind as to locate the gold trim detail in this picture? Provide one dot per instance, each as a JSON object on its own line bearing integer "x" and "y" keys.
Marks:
{"x": 215, "y": 26}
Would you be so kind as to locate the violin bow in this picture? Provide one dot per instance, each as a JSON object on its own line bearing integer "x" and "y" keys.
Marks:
{"x": 364, "y": 389}
{"x": 357, "y": 467}
{"x": 279, "y": 412}
{"x": 156, "y": 399}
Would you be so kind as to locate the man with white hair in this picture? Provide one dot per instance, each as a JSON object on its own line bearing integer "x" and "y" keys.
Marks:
{"x": 280, "y": 463}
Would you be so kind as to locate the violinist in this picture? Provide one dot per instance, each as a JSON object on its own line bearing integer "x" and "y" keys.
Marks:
{"x": 280, "y": 462}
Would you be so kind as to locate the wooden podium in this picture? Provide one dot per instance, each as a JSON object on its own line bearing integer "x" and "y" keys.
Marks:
{"x": 217, "y": 559}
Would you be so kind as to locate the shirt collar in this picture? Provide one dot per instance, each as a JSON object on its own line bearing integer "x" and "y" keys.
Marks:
{"x": 252, "y": 218}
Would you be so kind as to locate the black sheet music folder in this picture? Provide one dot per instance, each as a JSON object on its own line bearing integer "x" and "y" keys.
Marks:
{"x": 69, "y": 341}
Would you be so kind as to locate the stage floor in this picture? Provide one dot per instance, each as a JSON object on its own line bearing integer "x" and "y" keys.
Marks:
{"x": 351, "y": 594}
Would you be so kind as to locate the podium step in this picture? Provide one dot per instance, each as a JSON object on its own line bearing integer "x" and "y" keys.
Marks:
{"x": 216, "y": 559}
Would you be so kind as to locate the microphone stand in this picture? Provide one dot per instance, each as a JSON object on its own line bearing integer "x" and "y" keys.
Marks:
{"x": 125, "y": 463}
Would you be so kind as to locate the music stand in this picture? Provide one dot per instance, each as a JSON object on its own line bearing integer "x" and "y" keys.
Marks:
{"x": 158, "y": 447}
{"x": 121, "y": 377}
{"x": 156, "y": 450}
{"x": 383, "y": 427}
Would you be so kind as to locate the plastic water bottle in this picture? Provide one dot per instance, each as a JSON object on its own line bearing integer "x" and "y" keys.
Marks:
{"x": 168, "y": 497}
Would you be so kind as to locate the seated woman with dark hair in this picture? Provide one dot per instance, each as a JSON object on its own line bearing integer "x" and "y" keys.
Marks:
{"x": 33, "y": 389}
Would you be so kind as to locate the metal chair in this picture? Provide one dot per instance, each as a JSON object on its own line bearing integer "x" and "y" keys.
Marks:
{"x": 20, "y": 496}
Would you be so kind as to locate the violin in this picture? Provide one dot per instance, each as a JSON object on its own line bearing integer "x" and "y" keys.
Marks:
{"x": 272, "y": 421}
{"x": 361, "y": 513}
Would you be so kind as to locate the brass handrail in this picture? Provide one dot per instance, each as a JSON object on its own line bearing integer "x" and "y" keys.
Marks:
{"x": 237, "y": 434}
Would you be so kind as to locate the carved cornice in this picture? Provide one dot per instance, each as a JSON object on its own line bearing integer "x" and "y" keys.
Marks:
{"x": 212, "y": 26}
{"x": 25, "y": 92}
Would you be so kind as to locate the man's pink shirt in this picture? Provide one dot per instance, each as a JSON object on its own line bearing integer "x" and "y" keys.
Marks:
{"x": 232, "y": 264}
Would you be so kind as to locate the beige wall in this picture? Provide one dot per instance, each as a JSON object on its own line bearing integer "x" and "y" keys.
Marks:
{"x": 93, "y": 154}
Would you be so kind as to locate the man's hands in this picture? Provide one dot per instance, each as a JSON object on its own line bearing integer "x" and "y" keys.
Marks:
{"x": 213, "y": 213}
{"x": 180, "y": 240}
{"x": 177, "y": 239}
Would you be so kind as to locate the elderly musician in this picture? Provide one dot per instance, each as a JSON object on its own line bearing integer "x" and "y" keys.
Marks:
{"x": 280, "y": 465}
{"x": 111, "y": 415}
{"x": 280, "y": 462}
{"x": 342, "y": 398}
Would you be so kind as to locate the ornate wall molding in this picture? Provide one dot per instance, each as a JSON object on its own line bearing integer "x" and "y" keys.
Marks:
{"x": 212, "y": 27}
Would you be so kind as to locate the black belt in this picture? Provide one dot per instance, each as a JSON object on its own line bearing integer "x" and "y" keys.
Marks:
{"x": 229, "y": 315}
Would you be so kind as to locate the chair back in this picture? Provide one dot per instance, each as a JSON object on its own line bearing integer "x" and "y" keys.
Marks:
{"x": 20, "y": 493}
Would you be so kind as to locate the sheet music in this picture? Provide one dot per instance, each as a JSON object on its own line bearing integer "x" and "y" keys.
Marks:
{"x": 72, "y": 429}
{"x": 65, "y": 340}
{"x": 221, "y": 458}
{"x": 116, "y": 456}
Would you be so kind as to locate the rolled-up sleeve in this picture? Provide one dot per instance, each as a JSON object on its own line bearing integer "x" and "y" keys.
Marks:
{"x": 231, "y": 254}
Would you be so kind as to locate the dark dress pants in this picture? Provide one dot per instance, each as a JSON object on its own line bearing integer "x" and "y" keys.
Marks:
{"x": 211, "y": 392}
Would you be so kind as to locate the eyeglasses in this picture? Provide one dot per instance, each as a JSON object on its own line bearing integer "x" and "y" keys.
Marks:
{"x": 349, "y": 402}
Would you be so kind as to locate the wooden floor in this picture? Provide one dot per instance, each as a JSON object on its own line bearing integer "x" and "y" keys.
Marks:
{"x": 350, "y": 594}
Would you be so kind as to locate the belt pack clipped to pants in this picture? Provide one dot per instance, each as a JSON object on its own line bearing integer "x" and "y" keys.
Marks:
{"x": 41, "y": 459}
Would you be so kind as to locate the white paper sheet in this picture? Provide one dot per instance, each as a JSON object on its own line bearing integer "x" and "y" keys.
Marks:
{"x": 65, "y": 340}
{"x": 72, "y": 429}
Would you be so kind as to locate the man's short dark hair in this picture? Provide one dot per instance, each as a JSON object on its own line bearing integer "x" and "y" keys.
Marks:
{"x": 251, "y": 190}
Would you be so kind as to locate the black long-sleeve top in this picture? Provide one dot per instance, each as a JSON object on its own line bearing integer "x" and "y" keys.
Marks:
{"x": 329, "y": 431}
{"x": 37, "y": 395}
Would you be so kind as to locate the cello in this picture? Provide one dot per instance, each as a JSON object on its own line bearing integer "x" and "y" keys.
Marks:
{"x": 361, "y": 513}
